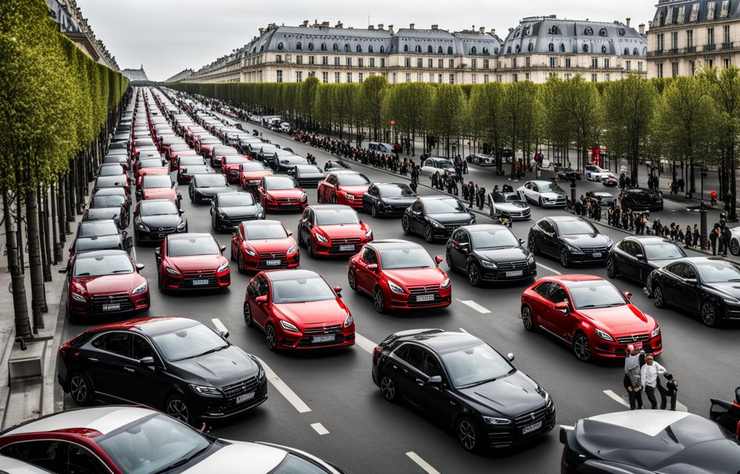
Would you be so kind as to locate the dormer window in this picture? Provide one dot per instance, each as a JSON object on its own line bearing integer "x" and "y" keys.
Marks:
{"x": 585, "y": 48}
{"x": 370, "y": 49}
{"x": 310, "y": 46}
{"x": 430, "y": 50}
{"x": 530, "y": 47}
{"x": 335, "y": 47}
{"x": 347, "y": 48}
{"x": 417, "y": 49}
{"x": 405, "y": 48}
{"x": 588, "y": 31}
{"x": 440, "y": 50}
{"x": 449, "y": 50}
{"x": 562, "y": 48}
{"x": 554, "y": 30}
{"x": 299, "y": 46}
{"x": 280, "y": 46}
{"x": 621, "y": 32}
{"x": 323, "y": 46}
{"x": 551, "y": 47}
{"x": 602, "y": 32}
{"x": 603, "y": 50}
{"x": 473, "y": 50}
{"x": 358, "y": 48}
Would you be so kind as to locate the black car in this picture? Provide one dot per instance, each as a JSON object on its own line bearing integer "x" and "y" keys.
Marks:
{"x": 636, "y": 256}
{"x": 568, "y": 174}
{"x": 177, "y": 365}
{"x": 115, "y": 204}
{"x": 641, "y": 199}
{"x": 487, "y": 252}
{"x": 98, "y": 228}
{"x": 603, "y": 198}
{"x": 111, "y": 169}
{"x": 185, "y": 174}
{"x": 570, "y": 239}
{"x": 106, "y": 182}
{"x": 435, "y": 217}
{"x": 154, "y": 219}
{"x": 105, "y": 213}
{"x": 203, "y": 187}
{"x": 466, "y": 385}
{"x": 307, "y": 176}
{"x": 286, "y": 163}
{"x": 120, "y": 197}
{"x": 384, "y": 199}
{"x": 647, "y": 442}
{"x": 121, "y": 160}
{"x": 229, "y": 209}
{"x": 101, "y": 242}
{"x": 705, "y": 286}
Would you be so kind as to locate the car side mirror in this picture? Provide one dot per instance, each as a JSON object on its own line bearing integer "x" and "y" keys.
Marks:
{"x": 563, "y": 307}
{"x": 147, "y": 361}
{"x": 157, "y": 253}
{"x": 640, "y": 256}
{"x": 691, "y": 281}
{"x": 261, "y": 299}
{"x": 510, "y": 356}
{"x": 438, "y": 259}
{"x": 139, "y": 266}
{"x": 373, "y": 267}
{"x": 220, "y": 328}
{"x": 628, "y": 295}
{"x": 435, "y": 380}
{"x": 338, "y": 290}
{"x": 222, "y": 247}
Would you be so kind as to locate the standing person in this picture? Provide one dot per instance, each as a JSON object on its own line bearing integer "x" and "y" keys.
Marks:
{"x": 688, "y": 239}
{"x": 649, "y": 377}
{"x": 724, "y": 238}
{"x": 481, "y": 197}
{"x": 622, "y": 180}
{"x": 713, "y": 237}
{"x": 670, "y": 393}
{"x": 697, "y": 236}
{"x": 632, "y": 382}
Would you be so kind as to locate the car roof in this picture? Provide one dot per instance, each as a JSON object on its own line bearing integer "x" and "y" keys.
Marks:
{"x": 189, "y": 235}
{"x": 283, "y": 275}
{"x": 564, "y": 218}
{"x": 392, "y": 243}
{"x": 649, "y": 239}
{"x": 442, "y": 341}
{"x": 261, "y": 223}
{"x": 96, "y": 421}
{"x": 436, "y": 197}
{"x": 328, "y": 207}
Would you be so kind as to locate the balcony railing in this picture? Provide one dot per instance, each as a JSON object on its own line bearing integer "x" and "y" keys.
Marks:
{"x": 727, "y": 45}
{"x": 710, "y": 47}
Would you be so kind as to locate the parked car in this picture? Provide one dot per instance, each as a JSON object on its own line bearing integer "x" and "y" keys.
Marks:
{"x": 185, "y": 174}
{"x": 231, "y": 208}
{"x": 603, "y": 198}
{"x": 570, "y": 239}
{"x": 105, "y": 182}
{"x": 481, "y": 159}
{"x": 285, "y": 164}
{"x": 437, "y": 165}
{"x": 203, "y": 187}
{"x": 387, "y": 199}
{"x": 332, "y": 230}
{"x": 343, "y": 187}
{"x": 595, "y": 173}
{"x": 510, "y": 205}
{"x": 568, "y": 174}
{"x": 263, "y": 245}
{"x": 435, "y": 217}
{"x": 735, "y": 241}
{"x": 307, "y": 176}
{"x": 635, "y": 257}
{"x": 543, "y": 193}
{"x": 191, "y": 262}
{"x": 639, "y": 199}
{"x": 159, "y": 187}
{"x": 380, "y": 147}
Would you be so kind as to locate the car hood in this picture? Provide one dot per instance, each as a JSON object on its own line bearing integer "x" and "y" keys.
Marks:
{"x": 451, "y": 218}
{"x": 510, "y": 206}
{"x": 343, "y": 231}
{"x": 730, "y": 288}
{"x": 108, "y": 284}
{"x": 551, "y": 195}
{"x": 416, "y": 276}
{"x": 286, "y": 193}
{"x": 213, "y": 191}
{"x": 399, "y": 200}
{"x": 620, "y": 320}
{"x": 314, "y": 313}
{"x": 514, "y": 254}
{"x": 272, "y": 245}
{"x": 586, "y": 240}
{"x": 168, "y": 220}
{"x": 198, "y": 262}
{"x": 230, "y": 459}
{"x": 356, "y": 190}
{"x": 220, "y": 368}
{"x": 511, "y": 395}
{"x": 237, "y": 211}
{"x": 160, "y": 193}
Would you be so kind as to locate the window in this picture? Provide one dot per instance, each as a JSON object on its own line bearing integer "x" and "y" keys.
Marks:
{"x": 595, "y": 63}
{"x": 358, "y": 48}
{"x": 382, "y": 62}
{"x": 551, "y": 47}
{"x": 594, "y": 78}
{"x": 325, "y": 60}
{"x": 603, "y": 50}
{"x": 451, "y": 64}
{"x": 142, "y": 348}
{"x": 299, "y": 59}
{"x": 299, "y": 46}
{"x": 674, "y": 69}
{"x": 369, "y": 256}
{"x": 452, "y": 78}
{"x": 439, "y": 78}
{"x": 299, "y": 76}
{"x": 408, "y": 77}
{"x": 417, "y": 49}
{"x": 382, "y": 48}
{"x": 336, "y": 60}
{"x": 660, "y": 70}
{"x": 474, "y": 63}
{"x": 324, "y": 77}
{"x": 562, "y": 48}
{"x": 449, "y": 50}
{"x": 727, "y": 63}
{"x": 628, "y": 65}
{"x": 349, "y": 61}
{"x": 710, "y": 34}
{"x": 359, "y": 77}
{"x": 405, "y": 48}
{"x": 280, "y": 46}
{"x": 393, "y": 78}
{"x": 310, "y": 46}
{"x": 726, "y": 34}
{"x": 602, "y": 32}
{"x": 585, "y": 48}
{"x": 440, "y": 50}
{"x": 118, "y": 343}
{"x": 626, "y": 52}
{"x": 588, "y": 31}
{"x": 661, "y": 41}
{"x": 412, "y": 354}
{"x": 440, "y": 63}
{"x": 371, "y": 62}
{"x": 674, "y": 40}
{"x": 552, "y": 61}
{"x": 639, "y": 66}
{"x": 485, "y": 78}
{"x": 606, "y": 63}
{"x": 323, "y": 46}
{"x": 690, "y": 38}
{"x": 567, "y": 62}
{"x": 544, "y": 289}
{"x": 527, "y": 61}
{"x": 335, "y": 47}
{"x": 336, "y": 77}
{"x": 349, "y": 77}
{"x": 419, "y": 77}
{"x": 430, "y": 50}
{"x": 710, "y": 10}
{"x": 56, "y": 456}
{"x": 407, "y": 62}
{"x": 312, "y": 60}
{"x": 419, "y": 62}
{"x": 370, "y": 49}
{"x": 486, "y": 64}
{"x": 278, "y": 58}
{"x": 360, "y": 62}
{"x": 473, "y": 50}
{"x": 279, "y": 74}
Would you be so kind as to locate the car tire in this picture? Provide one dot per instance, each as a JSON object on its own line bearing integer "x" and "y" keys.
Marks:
{"x": 177, "y": 407}
{"x": 81, "y": 389}
{"x": 388, "y": 388}
{"x": 379, "y": 300}
{"x": 581, "y": 347}
{"x": 248, "y": 321}
{"x": 710, "y": 314}
{"x": 658, "y": 297}
{"x": 474, "y": 273}
{"x": 532, "y": 245}
{"x": 611, "y": 268}
{"x": 374, "y": 211}
{"x": 564, "y": 258}
{"x": 448, "y": 261}
{"x": 405, "y": 225}
{"x": 352, "y": 279}
{"x": 468, "y": 435}
{"x": 271, "y": 337}
{"x": 428, "y": 234}
{"x": 735, "y": 247}
{"x": 528, "y": 318}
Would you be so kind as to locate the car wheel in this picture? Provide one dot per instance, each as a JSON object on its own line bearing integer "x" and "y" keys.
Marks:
{"x": 448, "y": 261}
{"x": 379, "y": 300}
{"x": 474, "y": 273}
{"x": 311, "y": 252}
{"x": 581, "y": 347}
{"x": 374, "y": 210}
{"x": 428, "y": 235}
{"x": 564, "y": 258}
{"x": 735, "y": 247}
{"x": 532, "y": 245}
{"x": 388, "y": 388}
{"x": 248, "y": 316}
{"x": 80, "y": 389}
{"x": 405, "y": 225}
{"x": 467, "y": 435}
{"x": 709, "y": 314}
{"x": 528, "y": 319}
{"x": 351, "y": 279}
{"x": 539, "y": 202}
{"x": 178, "y": 408}
{"x": 611, "y": 268}
{"x": 658, "y": 296}
{"x": 270, "y": 337}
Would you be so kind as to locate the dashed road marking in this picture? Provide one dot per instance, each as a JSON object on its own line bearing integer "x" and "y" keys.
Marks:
{"x": 549, "y": 269}
{"x": 425, "y": 466}
{"x": 284, "y": 390}
{"x": 320, "y": 429}
{"x": 616, "y": 398}
{"x": 475, "y": 306}
{"x": 365, "y": 343}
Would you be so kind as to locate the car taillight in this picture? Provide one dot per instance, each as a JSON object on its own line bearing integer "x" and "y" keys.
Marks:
{"x": 376, "y": 354}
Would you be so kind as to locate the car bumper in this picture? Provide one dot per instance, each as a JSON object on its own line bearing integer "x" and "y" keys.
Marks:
{"x": 615, "y": 350}
{"x": 407, "y": 303}
{"x": 284, "y": 207}
{"x": 188, "y": 283}
{"x": 489, "y": 274}
{"x": 223, "y": 408}
{"x": 93, "y": 309}
{"x": 355, "y": 203}
{"x": 331, "y": 249}
{"x": 254, "y": 264}
{"x": 598, "y": 257}
{"x": 156, "y": 236}
{"x": 554, "y": 204}
{"x": 507, "y": 436}
{"x": 302, "y": 342}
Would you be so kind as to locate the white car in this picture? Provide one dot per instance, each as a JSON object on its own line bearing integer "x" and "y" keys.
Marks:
{"x": 596, "y": 173}
{"x": 735, "y": 241}
{"x": 509, "y": 205}
{"x": 433, "y": 164}
{"x": 481, "y": 159}
{"x": 285, "y": 127}
{"x": 543, "y": 193}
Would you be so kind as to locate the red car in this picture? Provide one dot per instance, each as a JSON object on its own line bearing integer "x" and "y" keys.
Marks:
{"x": 343, "y": 187}
{"x": 230, "y": 167}
{"x": 590, "y": 314}
{"x": 399, "y": 275}
{"x": 174, "y": 153}
{"x": 192, "y": 261}
{"x": 205, "y": 145}
{"x": 263, "y": 245}
{"x": 330, "y": 229}
{"x": 297, "y": 309}
{"x": 159, "y": 170}
{"x": 105, "y": 283}
{"x": 159, "y": 187}
{"x": 281, "y": 193}
{"x": 251, "y": 174}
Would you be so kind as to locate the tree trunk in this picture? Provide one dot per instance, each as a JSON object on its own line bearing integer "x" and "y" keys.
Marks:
{"x": 43, "y": 203}
{"x": 20, "y": 303}
{"x": 34, "y": 260}
{"x": 56, "y": 224}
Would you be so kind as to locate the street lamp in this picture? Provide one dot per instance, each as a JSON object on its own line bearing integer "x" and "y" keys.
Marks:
{"x": 702, "y": 209}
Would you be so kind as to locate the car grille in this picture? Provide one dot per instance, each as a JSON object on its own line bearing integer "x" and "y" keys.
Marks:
{"x": 121, "y": 299}
{"x": 199, "y": 274}
{"x": 335, "y": 329}
{"x": 508, "y": 266}
{"x": 309, "y": 182}
{"x": 264, "y": 257}
{"x": 453, "y": 227}
{"x": 240, "y": 388}
{"x": 532, "y": 417}
{"x": 337, "y": 243}
{"x": 310, "y": 333}
{"x": 633, "y": 338}
{"x": 419, "y": 291}
{"x": 522, "y": 213}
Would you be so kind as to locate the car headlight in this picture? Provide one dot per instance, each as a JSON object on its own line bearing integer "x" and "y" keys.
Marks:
{"x": 488, "y": 264}
{"x": 79, "y": 297}
{"x": 181, "y": 225}
{"x": 139, "y": 289}
{"x": 321, "y": 238}
{"x": 492, "y": 420}
{"x": 435, "y": 223}
{"x": 250, "y": 252}
{"x": 603, "y": 335}
{"x": 172, "y": 271}
{"x": 288, "y": 326}
{"x": 292, "y": 249}
{"x": 574, "y": 249}
{"x": 206, "y": 390}
{"x": 445, "y": 283}
{"x": 656, "y": 331}
{"x": 395, "y": 288}
{"x": 224, "y": 266}
{"x": 348, "y": 321}
{"x": 369, "y": 233}
{"x": 142, "y": 226}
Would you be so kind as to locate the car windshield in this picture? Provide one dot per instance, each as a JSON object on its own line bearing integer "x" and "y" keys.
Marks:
{"x": 157, "y": 208}
{"x": 267, "y": 149}
{"x": 156, "y": 181}
{"x": 279, "y": 183}
{"x": 235, "y": 200}
{"x": 493, "y": 238}
{"x": 336, "y": 216}
{"x": 99, "y": 202}
{"x": 576, "y": 227}
{"x": 595, "y": 294}
{"x": 198, "y": 169}
{"x": 232, "y": 160}
{"x": 191, "y": 160}
{"x": 663, "y": 251}
{"x": 351, "y": 179}
{"x": 395, "y": 190}
{"x": 253, "y": 166}
{"x": 265, "y": 231}
{"x": 88, "y": 244}
{"x": 188, "y": 342}
{"x": 301, "y": 290}
{"x": 507, "y": 197}
{"x": 91, "y": 228}
{"x": 187, "y": 247}
{"x": 717, "y": 271}
{"x": 443, "y": 206}
{"x": 405, "y": 257}
{"x": 307, "y": 169}
{"x": 111, "y": 170}
{"x": 150, "y": 164}
{"x": 210, "y": 181}
{"x": 111, "y": 181}
{"x": 103, "y": 265}
{"x": 475, "y": 365}
{"x": 293, "y": 464}
{"x": 549, "y": 188}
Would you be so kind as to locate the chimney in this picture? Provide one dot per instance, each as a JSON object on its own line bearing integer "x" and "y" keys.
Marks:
{"x": 370, "y": 27}
{"x": 305, "y": 23}
{"x": 411, "y": 26}
{"x": 482, "y": 30}
{"x": 261, "y": 30}
{"x": 642, "y": 28}
{"x": 390, "y": 28}
{"x": 628, "y": 21}
{"x": 339, "y": 25}
{"x": 380, "y": 26}
{"x": 435, "y": 27}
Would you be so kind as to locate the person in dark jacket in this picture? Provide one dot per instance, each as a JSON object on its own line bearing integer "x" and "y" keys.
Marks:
{"x": 724, "y": 238}
{"x": 714, "y": 237}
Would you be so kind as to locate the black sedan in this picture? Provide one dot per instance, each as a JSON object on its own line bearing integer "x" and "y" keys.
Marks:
{"x": 489, "y": 253}
{"x": 154, "y": 219}
{"x": 435, "y": 217}
{"x": 307, "y": 176}
{"x": 640, "y": 199}
{"x": 636, "y": 256}
{"x": 647, "y": 441}
{"x": 204, "y": 187}
{"x": 570, "y": 239}
{"x": 383, "y": 199}
{"x": 466, "y": 385}
{"x": 705, "y": 286}
{"x": 175, "y": 364}
{"x": 229, "y": 209}
{"x": 114, "y": 204}
{"x": 568, "y": 174}
{"x": 105, "y": 213}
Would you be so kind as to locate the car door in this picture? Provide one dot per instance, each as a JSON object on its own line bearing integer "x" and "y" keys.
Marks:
{"x": 629, "y": 266}
{"x": 370, "y": 197}
{"x": 258, "y": 287}
{"x": 417, "y": 217}
{"x": 460, "y": 248}
{"x": 304, "y": 226}
{"x": 688, "y": 289}
{"x": 113, "y": 355}
{"x": 56, "y": 456}
{"x": 547, "y": 238}
{"x": 151, "y": 383}
{"x": 434, "y": 397}
{"x": 411, "y": 377}
{"x": 563, "y": 322}
{"x": 366, "y": 278}
{"x": 671, "y": 282}
{"x": 330, "y": 188}
{"x": 534, "y": 192}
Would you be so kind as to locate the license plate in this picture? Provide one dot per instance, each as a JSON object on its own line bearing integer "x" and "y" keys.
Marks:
{"x": 323, "y": 338}
{"x": 346, "y": 248}
{"x": 244, "y": 398}
{"x": 515, "y": 273}
{"x": 111, "y": 307}
{"x": 531, "y": 428}
{"x": 272, "y": 263}
{"x": 424, "y": 298}
{"x": 200, "y": 282}
{"x": 597, "y": 255}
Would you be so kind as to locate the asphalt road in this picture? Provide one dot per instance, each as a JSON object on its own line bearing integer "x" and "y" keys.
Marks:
{"x": 327, "y": 404}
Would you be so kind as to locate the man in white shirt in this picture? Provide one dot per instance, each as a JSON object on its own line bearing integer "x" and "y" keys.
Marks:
{"x": 649, "y": 377}
{"x": 632, "y": 376}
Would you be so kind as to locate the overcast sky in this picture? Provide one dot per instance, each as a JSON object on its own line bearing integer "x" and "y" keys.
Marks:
{"x": 167, "y": 36}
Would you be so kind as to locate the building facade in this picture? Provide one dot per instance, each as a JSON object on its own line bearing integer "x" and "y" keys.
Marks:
{"x": 336, "y": 54}
{"x": 686, "y": 36}
{"x": 136, "y": 75}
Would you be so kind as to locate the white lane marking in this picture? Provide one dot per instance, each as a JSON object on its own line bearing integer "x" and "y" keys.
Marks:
{"x": 568, "y": 427}
{"x": 549, "y": 269}
{"x": 365, "y": 343}
{"x": 475, "y": 306}
{"x": 425, "y": 466}
{"x": 284, "y": 390}
{"x": 616, "y": 398}
{"x": 319, "y": 428}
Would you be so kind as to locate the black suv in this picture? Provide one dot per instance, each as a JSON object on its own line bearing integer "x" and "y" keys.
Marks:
{"x": 435, "y": 217}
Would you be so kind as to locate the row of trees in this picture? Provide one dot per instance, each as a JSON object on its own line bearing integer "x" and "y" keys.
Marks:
{"x": 688, "y": 121}
{"x": 57, "y": 107}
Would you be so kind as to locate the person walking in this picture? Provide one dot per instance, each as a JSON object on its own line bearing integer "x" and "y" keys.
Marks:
{"x": 724, "y": 238}
{"x": 688, "y": 238}
{"x": 649, "y": 378}
{"x": 632, "y": 383}
{"x": 713, "y": 237}
{"x": 670, "y": 393}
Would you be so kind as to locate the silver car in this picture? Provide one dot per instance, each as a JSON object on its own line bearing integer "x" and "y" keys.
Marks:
{"x": 509, "y": 204}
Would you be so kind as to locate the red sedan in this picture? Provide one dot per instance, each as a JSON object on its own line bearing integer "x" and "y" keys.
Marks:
{"x": 159, "y": 187}
{"x": 329, "y": 229}
{"x": 251, "y": 174}
{"x": 230, "y": 167}
{"x": 150, "y": 171}
{"x": 297, "y": 309}
{"x": 589, "y": 314}
{"x": 192, "y": 261}
{"x": 263, "y": 245}
{"x": 343, "y": 187}
{"x": 399, "y": 275}
{"x": 281, "y": 193}
{"x": 105, "y": 283}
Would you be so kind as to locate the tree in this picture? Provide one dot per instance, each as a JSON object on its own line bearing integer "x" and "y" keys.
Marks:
{"x": 373, "y": 91}
{"x": 448, "y": 108}
{"x": 409, "y": 105}
{"x": 583, "y": 113}
{"x": 521, "y": 119}
{"x": 486, "y": 116}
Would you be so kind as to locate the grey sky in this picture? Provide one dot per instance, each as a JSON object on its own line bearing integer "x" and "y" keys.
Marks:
{"x": 167, "y": 36}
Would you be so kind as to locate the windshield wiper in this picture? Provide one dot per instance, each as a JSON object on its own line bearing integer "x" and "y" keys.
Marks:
{"x": 184, "y": 460}
{"x": 121, "y": 271}
{"x": 210, "y": 351}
